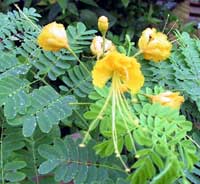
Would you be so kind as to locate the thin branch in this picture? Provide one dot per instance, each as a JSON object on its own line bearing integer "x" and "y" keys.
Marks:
{"x": 27, "y": 18}
{"x": 165, "y": 23}
{"x": 34, "y": 160}
{"x": 2, "y": 170}
{"x": 97, "y": 165}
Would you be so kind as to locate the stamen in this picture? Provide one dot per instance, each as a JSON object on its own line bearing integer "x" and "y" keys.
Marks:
{"x": 115, "y": 84}
{"x": 127, "y": 170}
{"x": 81, "y": 145}
{"x": 121, "y": 102}
{"x": 165, "y": 23}
{"x": 172, "y": 27}
{"x": 99, "y": 116}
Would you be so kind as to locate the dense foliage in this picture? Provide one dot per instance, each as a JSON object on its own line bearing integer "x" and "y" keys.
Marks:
{"x": 129, "y": 17}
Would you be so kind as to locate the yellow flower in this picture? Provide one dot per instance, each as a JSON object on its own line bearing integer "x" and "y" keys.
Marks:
{"x": 53, "y": 37}
{"x": 169, "y": 99}
{"x": 127, "y": 70}
{"x": 154, "y": 45}
{"x": 103, "y": 24}
{"x": 97, "y": 46}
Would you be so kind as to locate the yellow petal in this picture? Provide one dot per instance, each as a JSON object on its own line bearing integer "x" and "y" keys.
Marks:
{"x": 125, "y": 68}
{"x": 53, "y": 37}
{"x": 173, "y": 100}
{"x": 101, "y": 74}
{"x": 134, "y": 80}
{"x": 154, "y": 45}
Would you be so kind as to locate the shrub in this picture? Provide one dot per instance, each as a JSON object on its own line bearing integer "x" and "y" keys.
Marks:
{"x": 50, "y": 109}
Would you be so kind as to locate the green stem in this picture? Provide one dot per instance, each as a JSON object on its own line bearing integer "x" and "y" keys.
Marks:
{"x": 78, "y": 84}
{"x": 27, "y": 18}
{"x": 80, "y": 103}
{"x": 2, "y": 171}
{"x": 192, "y": 140}
{"x": 137, "y": 53}
{"x": 81, "y": 63}
{"x": 129, "y": 49}
{"x": 34, "y": 160}
{"x": 81, "y": 117}
{"x": 39, "y": 79}
{"x": 97, "y": 165}
{"x": 104, "y": 42}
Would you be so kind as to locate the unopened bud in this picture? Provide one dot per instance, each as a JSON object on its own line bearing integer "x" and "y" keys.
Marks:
{"x": 103, "y": 24}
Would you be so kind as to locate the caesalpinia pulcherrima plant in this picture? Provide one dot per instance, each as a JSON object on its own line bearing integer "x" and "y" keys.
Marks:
{"x": 130, "y": 120}
{"x": 115, "y": 115}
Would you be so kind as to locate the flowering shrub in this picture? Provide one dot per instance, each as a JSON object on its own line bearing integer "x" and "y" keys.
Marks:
{"x": 71, "y": 116}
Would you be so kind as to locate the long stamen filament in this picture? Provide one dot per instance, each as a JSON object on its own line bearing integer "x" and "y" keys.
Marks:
{"x": 166, "y": 22}
{"x": 126, "y": 107}
{"x": 123, "y": 103}
{"x": 172, "y": 27}
{"x": 129, "y": 133}
{"x": 114, "y": 131}
{"x": 114, "y": 135}
{"x": 99, "y": 116}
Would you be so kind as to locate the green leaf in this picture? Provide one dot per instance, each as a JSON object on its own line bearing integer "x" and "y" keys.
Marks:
{"x": 90, "y": 2}
{"x": 169, "y": 174}
{"x": 15, "y": 176}
{"x": 63, "y": 4}
{"x": 125, "y": 2}
{"x": 29, "y": 126}
{"x": 13, "y": 96}
{"x": 14, "y": 165}
{"x": 79, "y": 38}
{"x": 48, "y": 166}
{"x": 68, "y": 161}
{"x": 47, "y": 109}
{"x": 78, "y": 80}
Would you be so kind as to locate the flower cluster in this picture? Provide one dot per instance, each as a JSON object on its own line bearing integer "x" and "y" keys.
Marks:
{"x": 123, "y": 72}
{"x": 154, "y": 45}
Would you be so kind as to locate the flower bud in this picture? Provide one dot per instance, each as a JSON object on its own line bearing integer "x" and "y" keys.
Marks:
{"x": 53, "y": 37}
{"x": 154, "y": 45}
{"x": 103, "y": 24}
{"x": 96, "y": 46}
{"x": 173, "y": 100}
